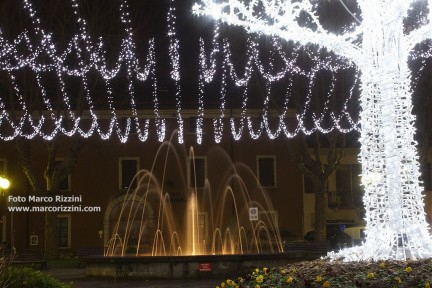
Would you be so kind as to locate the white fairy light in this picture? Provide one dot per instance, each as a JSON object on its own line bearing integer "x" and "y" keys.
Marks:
{"x": 218, "y": 123}
{"x": 174, "y": 46}
{"x": 396, "y": 225}
{"x": 90, "y": 56}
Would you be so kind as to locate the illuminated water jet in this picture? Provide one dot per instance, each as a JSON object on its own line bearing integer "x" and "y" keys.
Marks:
{"x": 207, "y": 220}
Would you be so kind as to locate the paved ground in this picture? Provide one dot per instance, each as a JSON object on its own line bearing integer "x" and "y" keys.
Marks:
{"x": 77, "y": 276}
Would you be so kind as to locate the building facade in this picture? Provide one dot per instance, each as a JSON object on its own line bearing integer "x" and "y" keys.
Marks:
{"x": 226, "y": 180}
{"x": 105, "y": 170}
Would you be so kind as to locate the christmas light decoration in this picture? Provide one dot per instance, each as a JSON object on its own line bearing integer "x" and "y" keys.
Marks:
{"x": 174, "y": 46}
{"x": 396, "y": 225}
{"x": 42, "y": 57}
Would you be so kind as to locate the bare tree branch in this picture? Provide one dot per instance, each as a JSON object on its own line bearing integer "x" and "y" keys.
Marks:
{"x": 281, "y": 18}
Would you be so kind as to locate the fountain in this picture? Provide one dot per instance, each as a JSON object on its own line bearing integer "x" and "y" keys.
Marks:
{"x": 164, "y": 232}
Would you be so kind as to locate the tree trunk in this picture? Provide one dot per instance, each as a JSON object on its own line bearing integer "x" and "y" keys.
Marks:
{"x": 396, "y": 226}
{"x": 320, "y": 209}
{"x": 309, "y": 162}
{"x": 53, "y": 175}
{"x": 50, "y": 245}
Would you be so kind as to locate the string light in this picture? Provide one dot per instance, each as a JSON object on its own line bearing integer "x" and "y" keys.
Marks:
{"x": 174, "y": 46}
{"x": 396, "y": 225}
{"x": 91, "y": 56}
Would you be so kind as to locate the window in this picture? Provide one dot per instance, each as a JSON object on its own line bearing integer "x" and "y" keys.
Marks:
{"x": 65, "y": 184}
{"x": 266, "y": 166}
{"x": 64, "y": 230}
{"x": 128, "y": 168}
{"x": 349, "y": 192}
{"x": 197, "y": 171}
{"x": 308, "y": 185}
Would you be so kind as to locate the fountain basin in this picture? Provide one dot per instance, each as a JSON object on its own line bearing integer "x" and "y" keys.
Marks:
{"x": 182, "y": 267}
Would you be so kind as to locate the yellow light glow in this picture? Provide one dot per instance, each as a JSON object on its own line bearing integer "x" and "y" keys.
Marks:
{"x": 4, "y": 183}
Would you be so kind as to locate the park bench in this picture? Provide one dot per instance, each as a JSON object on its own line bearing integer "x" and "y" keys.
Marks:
{"x": 29, "y": 257}
{"x": 87, "y": 252}
{"x": 306, "y": 248}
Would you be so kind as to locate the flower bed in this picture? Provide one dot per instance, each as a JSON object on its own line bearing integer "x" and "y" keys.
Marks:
{"x": 323, "y": 273}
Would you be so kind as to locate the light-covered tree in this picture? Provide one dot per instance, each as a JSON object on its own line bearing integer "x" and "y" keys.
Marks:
{"x": 379, "y": 45}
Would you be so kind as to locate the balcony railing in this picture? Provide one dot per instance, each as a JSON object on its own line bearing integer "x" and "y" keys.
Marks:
{"x": 345, "y": 199}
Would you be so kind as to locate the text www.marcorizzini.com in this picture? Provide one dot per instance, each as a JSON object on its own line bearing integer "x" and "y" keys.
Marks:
{"x": 60, "y": 208}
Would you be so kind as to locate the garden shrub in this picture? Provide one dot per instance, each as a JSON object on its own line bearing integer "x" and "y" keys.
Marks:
{"x": 23, "y": 277}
